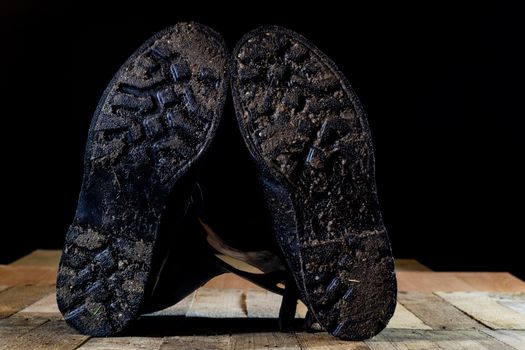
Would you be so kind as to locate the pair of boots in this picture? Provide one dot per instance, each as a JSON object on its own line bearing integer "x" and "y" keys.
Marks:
{"x": 144, "y": 235}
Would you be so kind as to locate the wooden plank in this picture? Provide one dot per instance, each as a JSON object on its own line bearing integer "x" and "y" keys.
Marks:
{"x": 2, "y": 288}
{"x": 324, "y": 341}
{"x": 424, "y": 281}
{"x": 391, "y": 339}
{"x": 410, "y": 265}
{"x": 498, "y": 282}
{"x": 13, "y": 275}
{"x": 218, "y": 303}
{"x": 405, "y": 319}
{"x": 16, "y": 298}
{"x": 54, "y": 335}
{"x": 15, "y": 326}
{"x": 123, "y": 343}
{"x": 40, "y": 257}
{"x": 179, "y": 309}
{"x": 45, "y": 307}
{"x": 486, "y": 310}
{"x": 231, "y": 281}
{"x": 515, "y": 339}
{"x": 211, "y": 342}
{"x": 265, "y": 304}
{"x": 515, "y": 302}
{"x": 436, "y": 312}
{"x": 264, "y": 340}
{"x": 421, "y": 281}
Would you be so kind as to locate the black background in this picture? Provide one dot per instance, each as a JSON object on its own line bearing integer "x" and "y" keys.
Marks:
{"x": 443, "y": 89}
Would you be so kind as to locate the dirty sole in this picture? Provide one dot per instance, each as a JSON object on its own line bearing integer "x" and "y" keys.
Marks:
{"x": 307, "y": 131}
{"x": 155, "y": 119}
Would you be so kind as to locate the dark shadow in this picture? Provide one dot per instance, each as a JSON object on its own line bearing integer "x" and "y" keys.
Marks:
{"x": 163, "y": 326}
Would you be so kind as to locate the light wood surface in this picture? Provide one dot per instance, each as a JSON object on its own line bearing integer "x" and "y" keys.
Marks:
{"x": 429, "y": 281}
{"x": 435, "y": 310}
{"x": 39, "y": 257}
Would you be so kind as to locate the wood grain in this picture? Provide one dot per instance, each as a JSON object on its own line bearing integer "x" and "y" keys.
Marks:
{"x": 54, "y": 335}
{"x": 40, "y": 257}
{"x": 515, "y": 339}
{"x": 45, "y": 307}
{"x": 218, "y": 303}
{"x": 436, "y": 312}
{"x": 428, "y": 281}
{"x": 14, "y": 275}
{"x": 405, "y": 319}
{"x": 486, "y": 309}
{"x": 209, "y": 342}
{"x": 324, "y": 341}
{"x": 16, "y": 326}
{"x": 264, "y": 340}
{"x": 265, "y": 304}
{"x": 515, "y": 301}
{"x": 447, "y": 319}
{"x": 123, "y": 343}
{"x": 394, "y": 339}
{"x": 498, "y": 282}
{"x": 18, "y": 297}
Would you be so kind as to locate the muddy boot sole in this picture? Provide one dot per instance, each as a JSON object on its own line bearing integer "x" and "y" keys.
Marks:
{"x": 308, "y": 133}
{"x": 153, "y": 122}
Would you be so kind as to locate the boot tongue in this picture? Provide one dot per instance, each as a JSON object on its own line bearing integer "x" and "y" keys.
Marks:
{"x": 257, "y": 262}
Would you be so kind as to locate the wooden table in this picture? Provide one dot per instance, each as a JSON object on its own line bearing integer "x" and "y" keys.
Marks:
{"x": 436, "y": 310}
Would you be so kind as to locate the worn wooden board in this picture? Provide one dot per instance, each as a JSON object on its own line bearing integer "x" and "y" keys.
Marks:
{"x": 45, "y": 307}
{"x": 231, "y": 313}
{"x": 405, "y": 319}
{"x": 486, "y": 309}
{"x": 324, "y": 341}
{"x": 40, "y": 257}
{"x": 515, "y": 302}
{"x": 436, "y": 312}
{"x": 515, "y": 339}
{"x": 16, "y": 325}
{"x": 264, "y": 304}
{"x": 18, "y": 297}
{"x": 13, "y": 275}
{"x": 209, "y": 342}
{"x": 429, "y": 281}
{"x": 218, "y": 303}
{"x": 123, "y": 343}
{"x": 264, "y": 340}
{"x": 54, "y": 335}
{"x": 498, "y": 282}
{"x": 394, "y": 339}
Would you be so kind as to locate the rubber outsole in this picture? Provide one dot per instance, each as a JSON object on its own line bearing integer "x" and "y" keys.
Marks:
{"x": 155, "y": 119}
{"x": 307, "y": 131}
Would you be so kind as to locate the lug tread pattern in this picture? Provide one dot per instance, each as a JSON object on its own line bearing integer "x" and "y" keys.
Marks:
{"x": 154, "y": 120}
{"x": 302, "y": 120}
